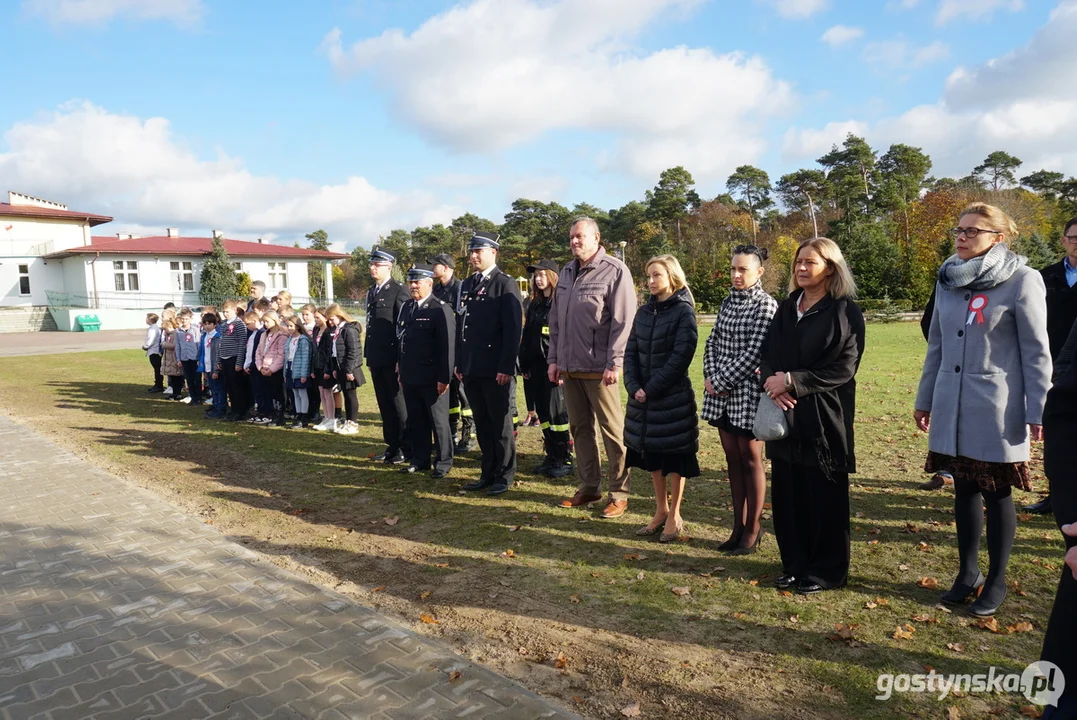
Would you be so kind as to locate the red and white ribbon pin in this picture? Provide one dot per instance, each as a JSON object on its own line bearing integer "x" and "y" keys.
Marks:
{"x": 976, "y": 309}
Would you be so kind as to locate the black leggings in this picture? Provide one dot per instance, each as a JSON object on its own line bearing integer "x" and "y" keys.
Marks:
{"x": 969, "y": 505}
{"x": 351, "y": 405}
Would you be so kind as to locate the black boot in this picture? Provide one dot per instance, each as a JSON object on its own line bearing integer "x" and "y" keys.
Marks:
{"x": 547, "y": 461}
{"x": 1001, "y": 529}
{"x": 562, "y": 459}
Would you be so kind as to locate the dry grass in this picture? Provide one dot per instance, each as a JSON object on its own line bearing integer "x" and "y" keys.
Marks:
{"x": 583, "y": 610}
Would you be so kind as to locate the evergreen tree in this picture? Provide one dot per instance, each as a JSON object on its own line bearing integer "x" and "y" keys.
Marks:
{"x": 319, "y": 240}
{"x": 218, "y": 281}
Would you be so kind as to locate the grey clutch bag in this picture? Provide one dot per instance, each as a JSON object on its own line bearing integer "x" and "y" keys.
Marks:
{"x": 770, "y": 423}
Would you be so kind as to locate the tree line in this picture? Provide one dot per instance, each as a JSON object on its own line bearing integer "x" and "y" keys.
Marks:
{"x": 888, "y": 214}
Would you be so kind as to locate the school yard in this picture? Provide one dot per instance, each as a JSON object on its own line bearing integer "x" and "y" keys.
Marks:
{"x": 577, "y": 609}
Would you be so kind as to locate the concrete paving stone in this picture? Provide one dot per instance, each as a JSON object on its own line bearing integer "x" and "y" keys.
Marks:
{"x": 40, "y": 706}
{"x": 111, "y": 592}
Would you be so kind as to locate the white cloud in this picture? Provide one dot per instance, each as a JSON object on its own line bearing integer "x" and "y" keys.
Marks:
{"x": 811, "y": 144}
{"x": 136, "y": 171}
{"x": 950, "y": 10}
{"x": 841, "y": 34}
{"x": 900, "y": 54}
{"x": 97, "y": 12}
{"x": 798, "y": 9}
{"x": 1021, "y": 102}
{"x": 492, "y": 74}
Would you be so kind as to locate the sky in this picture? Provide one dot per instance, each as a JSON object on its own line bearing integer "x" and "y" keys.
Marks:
{"x": 275, "y": 118}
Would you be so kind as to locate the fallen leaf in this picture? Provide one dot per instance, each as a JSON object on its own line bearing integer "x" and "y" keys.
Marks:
{"x": 1020, "y": 627}
{"x": 952, "y": 713}
{"x": 1024, "y": 517}
{"x": 1031, "y": 711}
{"x": 379, "y": 588}
{"x": 424, "y": 595}
{"x": 632, "y": 556}
{"x": 574, "y": 599}
{"x": 640, "y": 575}
{"x": 869, "y": 605}
{"x": 624, "y": 681}
{"x": 903, "y": 632}
{"x": 903, "y": 566}
{"x": 738, "y": 616}
{"x": 392, "y": 520}
{"x": 577, "y": 699}
{"x": 514, "y": 528}
{"x": 923, "y": 546}
{"x": 943, "y": 608}
{"x": 454, "y": 676}
{"x": 988, "y": 624}
{"x": 859, "y": 514}
{"x": 441, "y": 565}
{"x": 428, "y": 619}
{"x": 510, "y": 553}
{"x": 631, "y": 710}
{"x": 928, "y": 582}
{"x": 785, "y": 593}
{"x": 956, "y": 647}
{"x": 682, "y": 591}
{"x": 794, "y": 619}
{"x": 560, "y": 662}
{"x": 910, "y": 528}
{"x": 753, "y": 582}
{"x": 924, "y": 618}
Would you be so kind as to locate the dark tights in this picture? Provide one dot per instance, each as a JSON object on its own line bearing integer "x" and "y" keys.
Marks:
{"x": 748, "y": 484}
{"x": 969, "y": 504}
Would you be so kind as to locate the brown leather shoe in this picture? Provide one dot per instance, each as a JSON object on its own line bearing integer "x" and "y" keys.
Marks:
{"x": 616, "y": 508}
{"x": 938, "y": 480}
{"x": 580, "y": 498}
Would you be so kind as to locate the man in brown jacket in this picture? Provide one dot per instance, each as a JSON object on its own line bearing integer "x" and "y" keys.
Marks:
{"x": 590, "y": 321}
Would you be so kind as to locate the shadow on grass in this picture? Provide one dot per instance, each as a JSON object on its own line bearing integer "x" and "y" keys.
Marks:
{"x": 326, "y": 480}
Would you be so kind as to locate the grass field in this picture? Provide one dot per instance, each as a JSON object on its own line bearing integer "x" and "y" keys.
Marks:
{"x": 577, "y": 608}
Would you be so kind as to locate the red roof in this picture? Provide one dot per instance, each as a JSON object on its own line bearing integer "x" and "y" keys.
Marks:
{"x": 163, "y": 245}
{"x": 9, "y": 210}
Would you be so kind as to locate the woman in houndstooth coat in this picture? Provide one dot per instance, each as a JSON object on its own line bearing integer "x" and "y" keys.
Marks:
{"x": 732, "y": 390}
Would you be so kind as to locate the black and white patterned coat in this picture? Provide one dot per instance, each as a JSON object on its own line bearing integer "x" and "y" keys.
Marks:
{"x": 731, "y": 356}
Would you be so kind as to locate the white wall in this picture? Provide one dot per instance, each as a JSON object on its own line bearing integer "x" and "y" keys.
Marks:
{"x": 42, "y": 276}
{"x": 296, "y": 270}
{"x": 41, "y": 236}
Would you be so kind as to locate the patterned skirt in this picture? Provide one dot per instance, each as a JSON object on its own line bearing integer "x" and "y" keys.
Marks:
{"x": 989, "y": 476}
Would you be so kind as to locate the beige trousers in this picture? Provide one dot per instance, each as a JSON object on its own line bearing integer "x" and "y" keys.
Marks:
{"x": 593, "y": 408}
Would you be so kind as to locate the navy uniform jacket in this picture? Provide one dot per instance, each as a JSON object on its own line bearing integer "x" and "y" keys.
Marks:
{"x": 448, "y": 294}
{"x": 427, "y": 342}
{"x": 491, "y": 317}
{"x": 382, "y": 311}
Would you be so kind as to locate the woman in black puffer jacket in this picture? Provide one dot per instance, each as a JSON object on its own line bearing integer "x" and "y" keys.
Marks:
{"x": 661, "y": 426}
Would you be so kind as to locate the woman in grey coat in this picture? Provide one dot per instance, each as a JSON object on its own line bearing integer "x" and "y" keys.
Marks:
{"x": 981, "y": 395}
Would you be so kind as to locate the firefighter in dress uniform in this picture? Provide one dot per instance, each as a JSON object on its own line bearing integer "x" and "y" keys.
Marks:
{"x": 383, "y": 303}
{"x": 427, "y": 334}
{"x": 487, "y": 345}
{"x": 447, "y": 290}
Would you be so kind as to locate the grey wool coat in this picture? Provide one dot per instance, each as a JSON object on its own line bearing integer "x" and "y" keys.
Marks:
{"x": 985, "y": 381}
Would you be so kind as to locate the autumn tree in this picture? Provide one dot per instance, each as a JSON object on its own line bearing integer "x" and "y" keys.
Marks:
{"x": 997, "y": 170}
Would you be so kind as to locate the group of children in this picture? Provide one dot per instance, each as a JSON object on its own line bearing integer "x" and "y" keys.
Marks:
{"x": 262, "y": 364}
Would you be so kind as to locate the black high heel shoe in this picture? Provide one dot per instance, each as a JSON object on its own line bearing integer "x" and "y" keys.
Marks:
{"x": 961, "y": 592}
{"x": 733, "y": 542}
{"x": 747, "y": 550}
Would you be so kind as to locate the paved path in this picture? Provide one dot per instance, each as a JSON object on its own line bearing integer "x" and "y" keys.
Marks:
{"x": 114, "y": 605}
{"x": 48, "y": 343}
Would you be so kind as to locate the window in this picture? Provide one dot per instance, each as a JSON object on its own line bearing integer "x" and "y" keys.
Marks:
{"x": 24, "y": 279}
{"x": 278, "y": 276}
{"x": 182, "y": 276}
{"x": 238, "y": 267}
{"x": 126, "y": 274}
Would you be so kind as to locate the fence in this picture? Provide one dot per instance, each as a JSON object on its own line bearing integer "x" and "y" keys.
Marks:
{"x": 151, "y": 301}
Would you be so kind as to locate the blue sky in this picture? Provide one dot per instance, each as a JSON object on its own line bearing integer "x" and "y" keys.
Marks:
{"x": 364, "y": 115}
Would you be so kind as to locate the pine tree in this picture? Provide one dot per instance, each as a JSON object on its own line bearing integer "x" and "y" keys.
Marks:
{"x": 218, "y": 282}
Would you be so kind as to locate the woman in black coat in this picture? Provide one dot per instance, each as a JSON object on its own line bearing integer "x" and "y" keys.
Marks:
{"x": 1059, "y": 439}
{"x": 347, "y": 364}
{"x": 809, "y": 364}
{"x": 661, "y": 426}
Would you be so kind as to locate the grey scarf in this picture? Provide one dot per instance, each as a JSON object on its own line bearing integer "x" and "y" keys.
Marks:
{"x": 984, "y": 272}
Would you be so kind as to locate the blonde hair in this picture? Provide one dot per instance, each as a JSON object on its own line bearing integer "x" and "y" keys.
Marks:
{"x": 271, "y": 317}
{"x": 285, "y": 297}
{"x": 229, "y": 305}
{"x": 335, "y": 310}
{"x": 309, "y": 307}
{"x": 673, "y": 268}
{"x": 995, "y": 217}
{"x": 841, "y": 283}
{"x": 168, "y": 323}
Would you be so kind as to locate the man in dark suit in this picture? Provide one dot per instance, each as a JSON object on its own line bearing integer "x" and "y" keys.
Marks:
{"x": 383, "y": 303}
{"x": 427, "y": 331}
{"x": 488, "y": 341}
{"x": 1061, "y": 281}
{"x": 447, "y": 289}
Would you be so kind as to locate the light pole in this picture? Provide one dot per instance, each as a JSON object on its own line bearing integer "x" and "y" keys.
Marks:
{"x": 622, "y": 244}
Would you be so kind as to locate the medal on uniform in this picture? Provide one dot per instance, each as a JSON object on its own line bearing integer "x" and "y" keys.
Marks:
{"x": 976, "y": 309}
